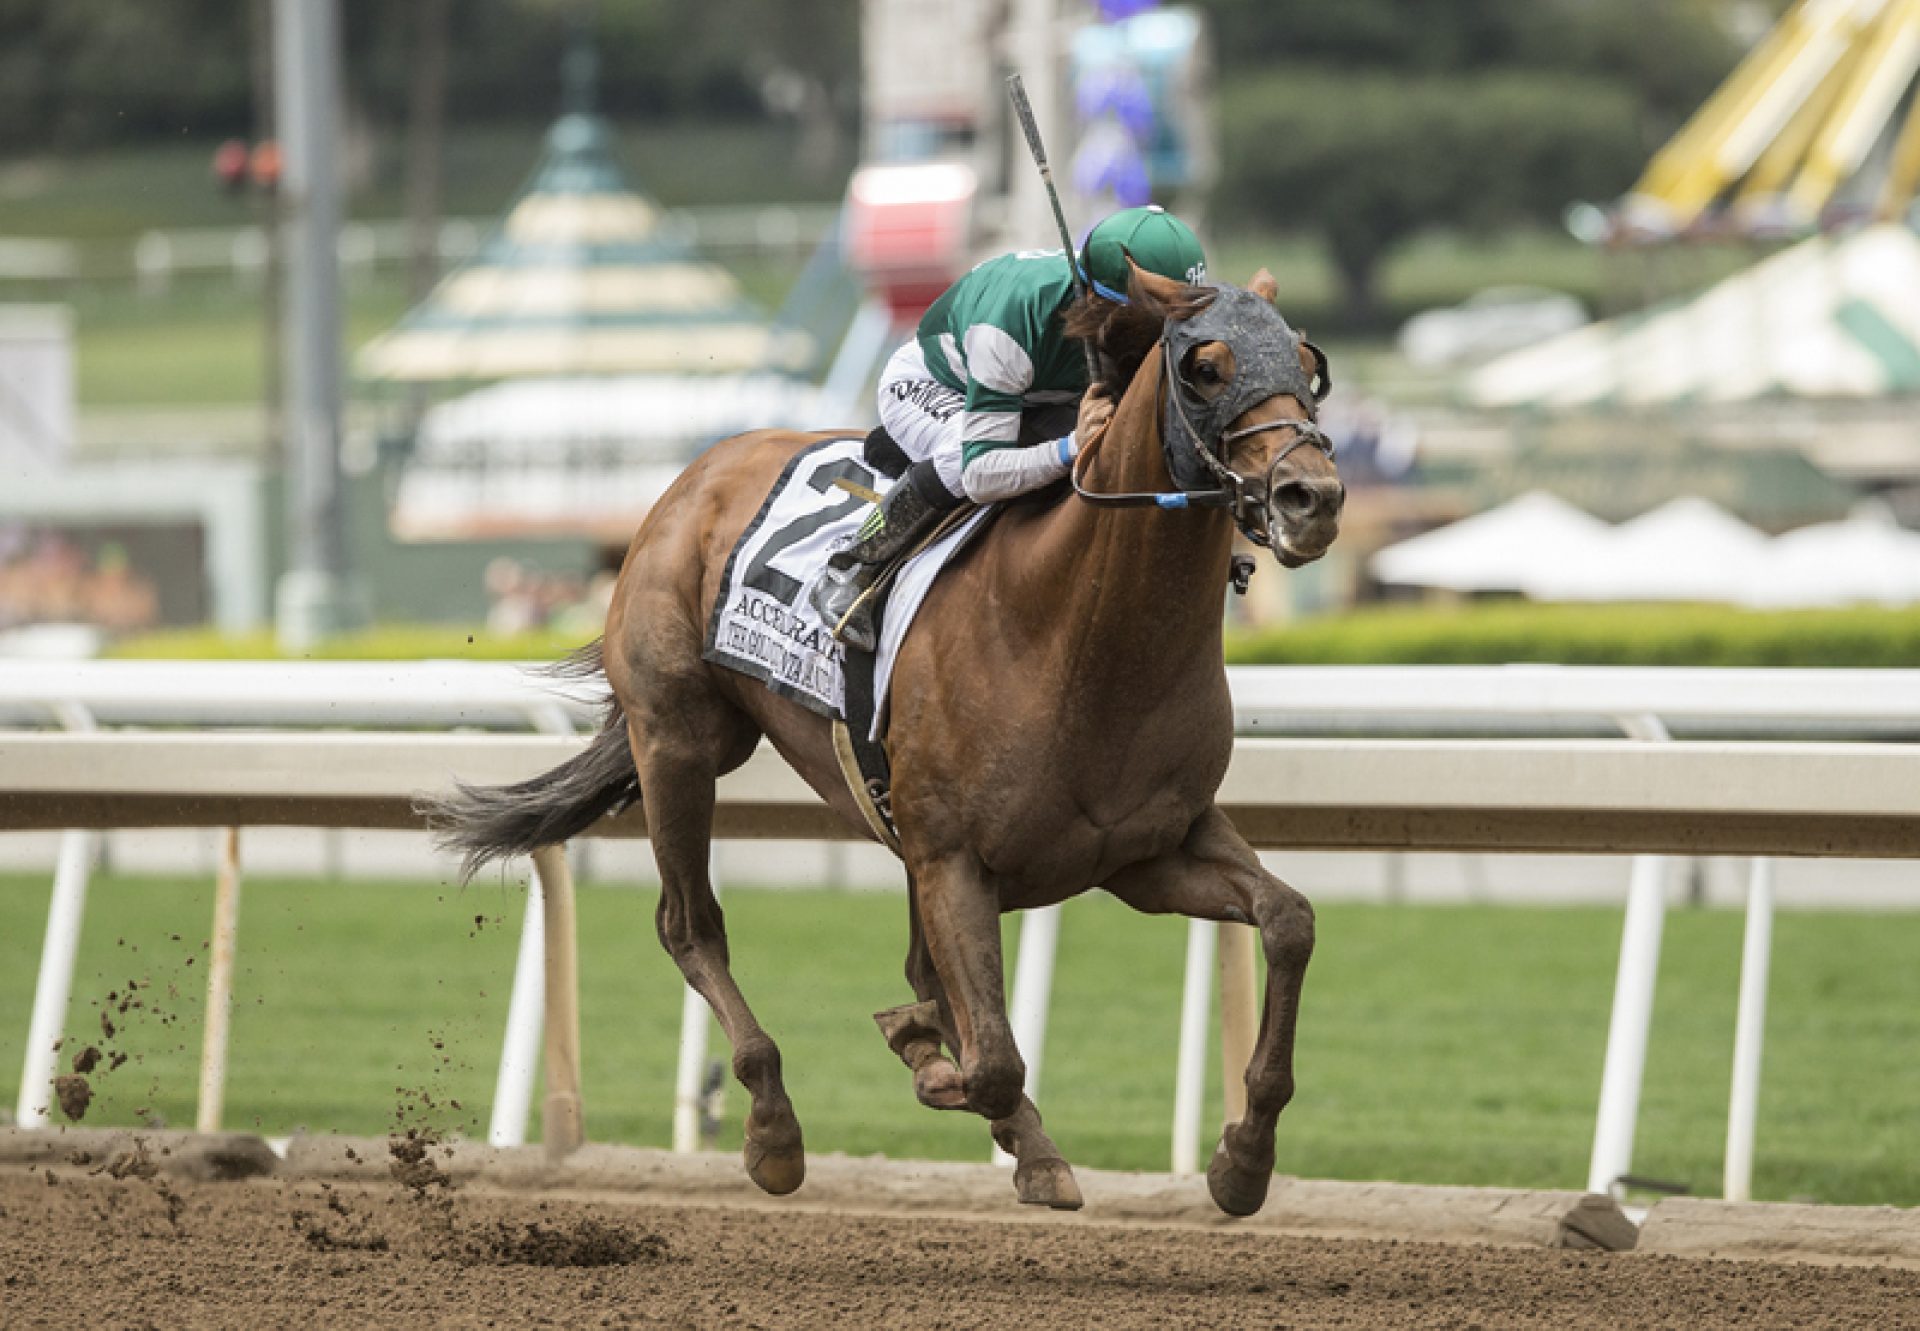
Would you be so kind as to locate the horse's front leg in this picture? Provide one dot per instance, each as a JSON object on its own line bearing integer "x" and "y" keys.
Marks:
{"x": 1215, "y": 875}
{"x": 960, "y": 921}
{"x": 916, "y": 1032}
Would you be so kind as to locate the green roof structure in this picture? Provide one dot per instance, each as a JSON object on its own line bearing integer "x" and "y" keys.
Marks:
{"x": 582, "y": 278}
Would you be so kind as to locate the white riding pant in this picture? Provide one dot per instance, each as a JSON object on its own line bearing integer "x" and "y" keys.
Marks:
{"x": 923, "y": 414}
{"x": 924, "y": 417}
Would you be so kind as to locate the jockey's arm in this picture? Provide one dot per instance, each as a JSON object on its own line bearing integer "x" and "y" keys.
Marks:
{"x": 993, "y": 474}
{"x": 997, "y": 467}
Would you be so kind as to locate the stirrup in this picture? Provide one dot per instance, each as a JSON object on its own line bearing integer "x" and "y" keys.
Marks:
{"x": 905, "y": 517}
{"x": 853, "y": 624}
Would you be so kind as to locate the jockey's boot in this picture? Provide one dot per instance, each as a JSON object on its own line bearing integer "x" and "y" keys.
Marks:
{"x": 902, "y": 518}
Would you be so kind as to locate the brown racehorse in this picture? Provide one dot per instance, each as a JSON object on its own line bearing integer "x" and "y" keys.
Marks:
{"x": 1060, "y": 721}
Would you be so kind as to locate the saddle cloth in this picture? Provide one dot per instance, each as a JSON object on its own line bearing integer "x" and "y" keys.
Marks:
{"x": 764, "y": 624}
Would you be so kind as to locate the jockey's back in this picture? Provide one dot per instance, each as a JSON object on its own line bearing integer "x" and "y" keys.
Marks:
{"x": 998, "y": 336}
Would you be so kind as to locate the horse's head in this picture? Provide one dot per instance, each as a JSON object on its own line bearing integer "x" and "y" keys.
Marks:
{"x": 1239, "y": 393}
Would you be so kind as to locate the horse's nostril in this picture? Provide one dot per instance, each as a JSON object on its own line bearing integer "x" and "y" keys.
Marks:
{"x": 1296, "y": 497}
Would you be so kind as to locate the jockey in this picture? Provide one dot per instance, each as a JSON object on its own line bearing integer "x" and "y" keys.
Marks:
{"x": 986, "y": 397}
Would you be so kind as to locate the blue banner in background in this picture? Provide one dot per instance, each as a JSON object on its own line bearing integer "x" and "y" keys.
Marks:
{"x": 1137, "y": 76}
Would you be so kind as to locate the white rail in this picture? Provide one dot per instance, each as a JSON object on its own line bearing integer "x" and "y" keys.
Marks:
{"x": 1688, "y": 798}
{"x": 80, "y": 695}
{"x": 1266, "y": 698}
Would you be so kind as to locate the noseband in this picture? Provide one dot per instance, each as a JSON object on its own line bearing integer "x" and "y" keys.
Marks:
{"x": 1193, "y": 429}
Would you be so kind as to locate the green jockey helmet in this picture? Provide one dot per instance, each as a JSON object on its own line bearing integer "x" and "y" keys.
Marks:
{"x": 1153, "y": 237}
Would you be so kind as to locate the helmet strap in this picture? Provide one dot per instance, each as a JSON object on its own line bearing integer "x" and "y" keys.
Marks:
{"x": 1101, "y": 288}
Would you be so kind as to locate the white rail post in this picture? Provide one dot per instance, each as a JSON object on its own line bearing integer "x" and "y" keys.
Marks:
{"x": 55, "y": 985}
{"x": 563, "y": 1125}
{"x": 1239, "y": 945}
{"x": 1749, "y": 1033}
{"x": 689, "y": 1077}
{"x": 526, "y": 1010}
{"x": 53, "y": 988}
{"x": 513, "y": 1087}
{"x": 1632, "y": 1020}
{"x": 1032, "y": 993}
{"x": 219, "y": 1019}
{"x": 1190, "y": 1068}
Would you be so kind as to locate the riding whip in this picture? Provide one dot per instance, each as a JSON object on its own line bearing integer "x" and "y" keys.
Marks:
{"x": 1023, "y": 110}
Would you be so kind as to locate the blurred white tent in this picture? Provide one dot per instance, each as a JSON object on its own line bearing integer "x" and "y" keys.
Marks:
{"x": 1685, "y": 550}
{"x": 580, "y": 456}
{"x": 1867, "y": 558}
{"x": 656, "y": 418}
{"x": 1494, "y": 551}
{"x": 1829, "y": 318}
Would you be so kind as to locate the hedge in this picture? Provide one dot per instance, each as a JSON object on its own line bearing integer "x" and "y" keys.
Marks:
{"x": 1472, "y": 634}
{"x": 1676, "y": 635}
{"x": 386, "y": 642}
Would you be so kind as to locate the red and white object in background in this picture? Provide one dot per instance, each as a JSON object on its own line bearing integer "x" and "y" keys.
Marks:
{"x": 909, "y": 231}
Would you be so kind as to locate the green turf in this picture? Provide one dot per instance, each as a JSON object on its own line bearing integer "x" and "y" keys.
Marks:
{"x": 204, "y": 343}
{"x": 1456, "y": 1045}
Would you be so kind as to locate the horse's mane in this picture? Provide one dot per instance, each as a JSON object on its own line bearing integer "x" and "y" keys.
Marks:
{"x": 1124, "y": 334}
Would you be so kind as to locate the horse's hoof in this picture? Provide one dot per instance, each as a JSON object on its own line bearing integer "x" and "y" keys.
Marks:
{"x": 1237, "y": 1189}
{"x": 777, "y": 1172}
{"x": 937, "y": 1085}
{"x": 1047, "y": 1183}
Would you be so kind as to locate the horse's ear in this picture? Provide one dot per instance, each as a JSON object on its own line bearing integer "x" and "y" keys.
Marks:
{"x": 1264, "y": 286}
{"x": 1150, "y": 293}
{"x": 1313, "y": 362}
{"x": 1163, "y": 297}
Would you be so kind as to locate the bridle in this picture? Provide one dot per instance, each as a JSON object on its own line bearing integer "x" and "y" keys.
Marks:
{"x": 1195, "y": 452}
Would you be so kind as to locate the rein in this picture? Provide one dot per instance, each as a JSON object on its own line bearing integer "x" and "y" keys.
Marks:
{"x": 1249, "y": 497}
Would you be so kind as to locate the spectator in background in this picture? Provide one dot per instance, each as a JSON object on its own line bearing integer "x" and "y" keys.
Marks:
{"x": 230, "y": 165}
{"x": 52, "y": 580}
{"x": 522, "y": 599}
{"x": 265, "y": 166}
{"x": 1376, "y": 446}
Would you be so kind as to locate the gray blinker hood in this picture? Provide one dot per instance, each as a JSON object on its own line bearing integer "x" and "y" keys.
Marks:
{"x": 1266, "y": 357}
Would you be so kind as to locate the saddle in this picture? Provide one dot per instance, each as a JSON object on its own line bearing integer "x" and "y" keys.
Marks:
{"x": 763, "y": 624}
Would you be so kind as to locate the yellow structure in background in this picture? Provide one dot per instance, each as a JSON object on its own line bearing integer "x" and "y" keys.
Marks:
{"x": 1795, "y": 123}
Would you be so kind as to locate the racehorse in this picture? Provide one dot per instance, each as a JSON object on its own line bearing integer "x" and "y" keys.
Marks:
{"x": 1059, "y": 719}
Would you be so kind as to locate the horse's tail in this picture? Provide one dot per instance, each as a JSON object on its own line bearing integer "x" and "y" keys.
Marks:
{"x": 487, "y": 823}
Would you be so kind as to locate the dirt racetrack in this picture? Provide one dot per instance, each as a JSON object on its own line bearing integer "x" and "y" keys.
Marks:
{"x": 83, "y": 1248}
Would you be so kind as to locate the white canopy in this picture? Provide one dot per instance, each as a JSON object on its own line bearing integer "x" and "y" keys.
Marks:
{"x": 1685, "y": 550}
{"x": 659, "y": 417}
{"x": 1866, "y": 558}
{"x": 1494, "y": 550}
{"x": 1829, "y": 317}
{"x": 582, "y": 456}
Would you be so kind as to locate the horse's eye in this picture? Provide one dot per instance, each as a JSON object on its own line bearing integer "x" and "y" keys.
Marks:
{"x": 1205, "y": 372}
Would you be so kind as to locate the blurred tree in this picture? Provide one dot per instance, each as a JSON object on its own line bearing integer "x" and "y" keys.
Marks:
{"x": 81, "y": 72}
{"x": 1367, "y": 160}
{"x": 1673, "y": 51}
{"x": 85, "y": 70}
{"x": 1371, "y": 120}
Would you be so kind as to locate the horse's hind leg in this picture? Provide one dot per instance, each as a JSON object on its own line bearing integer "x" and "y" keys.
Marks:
{"x": 680, "y": 753}
{"x": 916, "y": 1031}
{"x": 1216, "y": 876}
{"x": 1041, "y": 1175}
